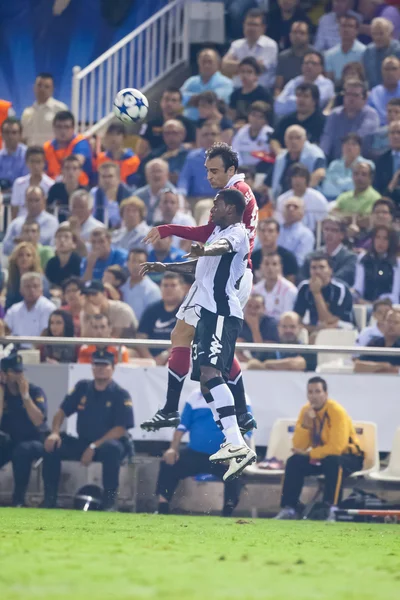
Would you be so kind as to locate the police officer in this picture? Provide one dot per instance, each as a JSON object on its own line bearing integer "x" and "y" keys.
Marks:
{"x": 105, "y": 414}
{"x": 23, "y": 427}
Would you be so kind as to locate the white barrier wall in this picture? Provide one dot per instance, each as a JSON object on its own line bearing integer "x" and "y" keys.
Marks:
{"x": 273, "y": 395}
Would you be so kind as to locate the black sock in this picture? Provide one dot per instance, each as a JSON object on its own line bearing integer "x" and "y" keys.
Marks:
{"x": 174, "y": 391}
{"x": 238, "y": 394}
{"x": 163, "y": 508}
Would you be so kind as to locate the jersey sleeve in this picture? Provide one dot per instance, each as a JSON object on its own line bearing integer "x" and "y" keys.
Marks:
{"x": 70, "y": 404}
{"x": 186, "y": 418}
{"x": 195, "y": 234}
{"x": 236, "y": 237}
{"x": 345, "y": 309}
{"x": 124, "y": 411}
{"x": 39, "y": 398}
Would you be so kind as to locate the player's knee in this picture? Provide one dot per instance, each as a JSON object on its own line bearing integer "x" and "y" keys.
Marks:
{"x": 182, "y": 335}
{"x": 208, "y": 373}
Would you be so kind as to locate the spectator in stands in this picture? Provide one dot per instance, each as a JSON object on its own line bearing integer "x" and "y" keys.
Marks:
{"x": 101, "y": 255}
{"x": 31, "y": 233}
{"x": 66, "y": 263}
{"x": 378, "y": 269}
{"x": 101, "y": 428}
{"x": 307, "y": 114}
{"x": 289, "y": 328}
{"x": 377, "y": 143}
{"x": 250, "y": 90}
{"x": 171, "y": 108}
{"x": 380, "y": 95}
{"x": 157, "y": 177}
{"x": 315, "y": 204}
{"x": 360, "y": 200}
{"x": 159, "y": 319}
{"x": 173, "y": 150}
{"x": 343, "y": 261}
{"x": 339, "y": 174}
{"x": 279, "y": 294}
{"x": 73, "y": 301}
{"x": 387, "y": 171}
{"x": 370, "y": 363}
{"x": 35, "y": 162}
{"x": 23, "y": 414}
{"x": 65, "y": 143}
{"x": 24, "y": 259}
{"x": 353, "y": 117}
{"x": 12, "y": 153}
{"x": 268, "y": 233}
{"x": 324, "y": 443}
{"x": 281, "y": 19}
{"x": 35, "y": 202}
{"x": 81, "y": 221}
{"x": 37, "y": 119}
{"x": 327, "y": 299}
{"x": 134, "y": 227}
{"x": 115, "y": 151}
{"x": 171, "y": 214}
{"x": 98, "y": 326}
{"x": 109, "y": 194}
{"x": 60, "y": 325}
{"x": 256, "y": 44}
{"x": 30, "y": 316}
{"x": 254, "y": 137}
{"x": 353, "y": 70}
{"x": 382, "y": 46}
{"x": 113, "y": 279}
{"x": 209, "y": 78}
{"x": 291, "y": 60}
{"x": 380, "y": 309}
{"x": 383, "y": 213}
{"x": 328, "y": 32}
{"x": 193, "y": 181}
{"x": 61, "y": 192}
{"x": 294, "y": 235}
{"x": 163, "y": 251}
{"x": 311, "y": 69}
{"x": 348, "y": 50}
{"x": 122, "y": 319}
{"x": 298, "y": 150}
{"x": 257, "y": 327}
{"x": 213, "y": 110}
{"x": 139, "y": 291}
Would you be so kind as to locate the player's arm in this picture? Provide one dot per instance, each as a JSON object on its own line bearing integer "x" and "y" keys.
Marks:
{"x": 195, "y": 234}
{"x": 179, "y": 267}
{"x": 217, "y": 248}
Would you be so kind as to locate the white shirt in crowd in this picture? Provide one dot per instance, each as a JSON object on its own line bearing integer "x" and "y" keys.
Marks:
{"x": 88, "y": 226}
{"x": 24, "y": 322}
{"x": 37, "y": 121}
{"x": 367, "y": 334}
{"x": 280, "y": 299}
{"x": 244, "y": 144}
{"x": 315, "y": 207}
{"x": 265, "y": 49}
{"x": 21, "y": 184}
{"x": 359, "y": 280}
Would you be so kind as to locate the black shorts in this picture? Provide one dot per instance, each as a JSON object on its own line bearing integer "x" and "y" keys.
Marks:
{"x": 214, "y": 342}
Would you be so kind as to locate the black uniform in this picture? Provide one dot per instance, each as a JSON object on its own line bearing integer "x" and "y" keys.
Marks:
{"x": 98, "y": 412}
{"x": 21, "y": 442}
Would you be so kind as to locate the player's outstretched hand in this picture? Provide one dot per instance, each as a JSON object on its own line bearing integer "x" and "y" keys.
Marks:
{"x": 195, "y": 251}
{"x": 152, "y": 236}
{"x": 152, "y": 267}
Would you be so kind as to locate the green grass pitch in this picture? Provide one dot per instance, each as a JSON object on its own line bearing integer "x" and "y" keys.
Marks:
{"x": 74, "y": 555}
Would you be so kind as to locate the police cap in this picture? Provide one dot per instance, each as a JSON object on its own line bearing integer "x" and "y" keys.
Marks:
{"x": 103, "y": 357}
{"x": 12, "y": 362}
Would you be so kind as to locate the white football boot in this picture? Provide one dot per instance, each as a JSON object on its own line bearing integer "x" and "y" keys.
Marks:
{"x": 228, "y": 451}
{"x": 237, "y": 465}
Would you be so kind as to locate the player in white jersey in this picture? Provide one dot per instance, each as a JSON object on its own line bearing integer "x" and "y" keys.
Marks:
{"x": 219, "y": 267}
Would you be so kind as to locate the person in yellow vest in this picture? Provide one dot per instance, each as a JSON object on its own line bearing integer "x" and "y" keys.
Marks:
{"x": 65, "y": 143}
{"x": 115, "y": 152}
{"x": 6, "y": 110}
{"x": 324, "y": 443}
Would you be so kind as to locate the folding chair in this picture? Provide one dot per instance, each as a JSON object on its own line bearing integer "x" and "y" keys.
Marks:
{"x": 279, "y": 446}
{"x": 334, "y": 337}
{"x": 392, "y": 471}
{"x": 360, "y": 316}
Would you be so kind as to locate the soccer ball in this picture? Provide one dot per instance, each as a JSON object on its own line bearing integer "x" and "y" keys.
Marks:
{"x": 130, "y": 106}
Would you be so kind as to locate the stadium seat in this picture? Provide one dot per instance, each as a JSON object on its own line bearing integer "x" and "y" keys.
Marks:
{"x": 392, "y": 471}
{"x": 360, "y": 315}
{"x": 279, "y": 447}
{"x": 335, "y": 337}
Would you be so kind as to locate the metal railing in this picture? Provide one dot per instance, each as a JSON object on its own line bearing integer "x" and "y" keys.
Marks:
{"x": 139, "y": 60}
{"x": 137, "y": 343}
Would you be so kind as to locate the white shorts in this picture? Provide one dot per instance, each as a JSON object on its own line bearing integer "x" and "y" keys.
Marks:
{"x": 189, "y": 310}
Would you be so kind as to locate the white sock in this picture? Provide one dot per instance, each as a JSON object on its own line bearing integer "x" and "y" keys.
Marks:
{"x": 225, "y": 409}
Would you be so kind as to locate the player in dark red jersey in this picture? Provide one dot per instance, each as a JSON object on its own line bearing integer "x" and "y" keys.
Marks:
{"x": 221, "y": 164}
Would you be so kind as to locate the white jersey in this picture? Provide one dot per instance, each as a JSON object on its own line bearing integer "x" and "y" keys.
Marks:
{"x": 218, "y": 277}
{"x": 244, "y": 144}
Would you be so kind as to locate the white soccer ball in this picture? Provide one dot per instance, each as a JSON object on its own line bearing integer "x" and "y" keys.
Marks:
{"x": 130, "y": 106}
